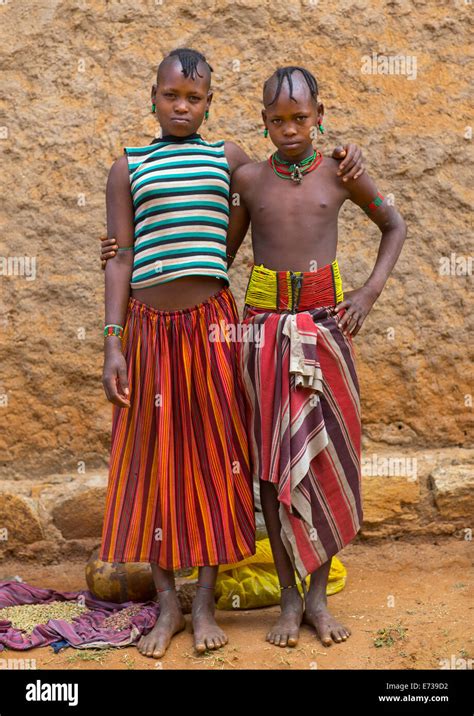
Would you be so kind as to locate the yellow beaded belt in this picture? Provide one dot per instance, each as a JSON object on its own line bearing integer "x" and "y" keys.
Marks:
{"x": 294, "y": 290}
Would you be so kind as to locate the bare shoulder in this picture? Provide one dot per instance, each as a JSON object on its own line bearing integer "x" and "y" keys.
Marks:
{"x": 247, "y": 176}
{"x": 235, "y": 155}
{"x": 330, "y": 168}
{"x": 331, "y": 165}
{"x": 118, "y": 174}
{"x": 251, "y": 169}
{"x": 118, "y": 182}
{"x": 232, "y": 149}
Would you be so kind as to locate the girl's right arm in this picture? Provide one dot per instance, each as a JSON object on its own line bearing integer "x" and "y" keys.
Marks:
{"x": 120, "y": 224}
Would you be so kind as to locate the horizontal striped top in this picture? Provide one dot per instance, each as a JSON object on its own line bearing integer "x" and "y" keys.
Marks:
{"x": 180, "y": 192}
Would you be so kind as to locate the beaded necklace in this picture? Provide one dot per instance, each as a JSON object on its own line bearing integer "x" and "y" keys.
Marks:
{"x": 295, "y": 170}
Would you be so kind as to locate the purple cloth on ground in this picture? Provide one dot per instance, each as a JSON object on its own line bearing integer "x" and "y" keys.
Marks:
{"x": 85, "y": 631}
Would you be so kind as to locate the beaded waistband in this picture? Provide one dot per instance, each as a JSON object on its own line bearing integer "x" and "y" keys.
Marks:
{"x": 294, "y": 290}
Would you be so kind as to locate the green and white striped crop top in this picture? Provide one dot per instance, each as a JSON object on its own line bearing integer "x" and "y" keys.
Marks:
{"x": 180, "y": 192}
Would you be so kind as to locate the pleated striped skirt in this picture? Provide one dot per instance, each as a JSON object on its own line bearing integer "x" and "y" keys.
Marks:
{"x": 180, "y": 487}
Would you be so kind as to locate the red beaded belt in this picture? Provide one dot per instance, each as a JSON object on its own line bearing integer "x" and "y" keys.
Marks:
{"x": 294, "y": 290}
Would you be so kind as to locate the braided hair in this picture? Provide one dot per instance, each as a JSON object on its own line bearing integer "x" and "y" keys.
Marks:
{"x": 189, "y": 60}
{"x": 283, "y": 73}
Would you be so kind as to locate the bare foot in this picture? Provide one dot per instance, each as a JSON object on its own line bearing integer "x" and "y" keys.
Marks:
{"x": 327, "y": 627}
{"x": 170, "y": 622}
{"x": 207, "y": 634}
{"x": 286, "y": 631}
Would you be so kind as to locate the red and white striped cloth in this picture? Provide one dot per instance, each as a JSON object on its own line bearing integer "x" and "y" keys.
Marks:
{"x": 305, "y": 431}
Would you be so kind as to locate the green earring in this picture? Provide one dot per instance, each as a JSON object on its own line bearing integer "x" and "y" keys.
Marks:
{"x": 265, "y": 133}
{"x": 321, "y": 128}
{"x": 153, "y": 107}
{"x": 206, "y": 114}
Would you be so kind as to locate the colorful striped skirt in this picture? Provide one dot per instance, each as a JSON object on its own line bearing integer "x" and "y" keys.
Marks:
{"x": 303, "y": 409}
{"x": 180, "y": 487}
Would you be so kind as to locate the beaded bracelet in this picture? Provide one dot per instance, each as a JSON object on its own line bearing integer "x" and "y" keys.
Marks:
{"x": 370, "y": 208}
{"x": 230, "y": 256}
{"x": 112, "y": 329}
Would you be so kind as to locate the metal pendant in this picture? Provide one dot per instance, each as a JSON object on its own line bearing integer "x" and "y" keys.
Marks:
{"x": 296, "y": 174}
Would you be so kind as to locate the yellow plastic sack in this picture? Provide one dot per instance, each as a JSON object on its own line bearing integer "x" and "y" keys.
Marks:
{"x": 253, "y": 582}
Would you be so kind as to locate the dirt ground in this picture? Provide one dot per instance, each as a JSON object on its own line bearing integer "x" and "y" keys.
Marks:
{"x": 408, "y": 605}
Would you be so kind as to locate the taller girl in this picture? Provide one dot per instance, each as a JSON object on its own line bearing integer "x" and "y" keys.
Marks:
{"x": 180, "y": 489}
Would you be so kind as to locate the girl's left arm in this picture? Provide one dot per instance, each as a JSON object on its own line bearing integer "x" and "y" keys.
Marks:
{"x": 359, "y": 302}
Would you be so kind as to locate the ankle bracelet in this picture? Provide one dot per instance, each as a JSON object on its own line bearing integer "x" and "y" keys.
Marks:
{"x": 204, "y": 587}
